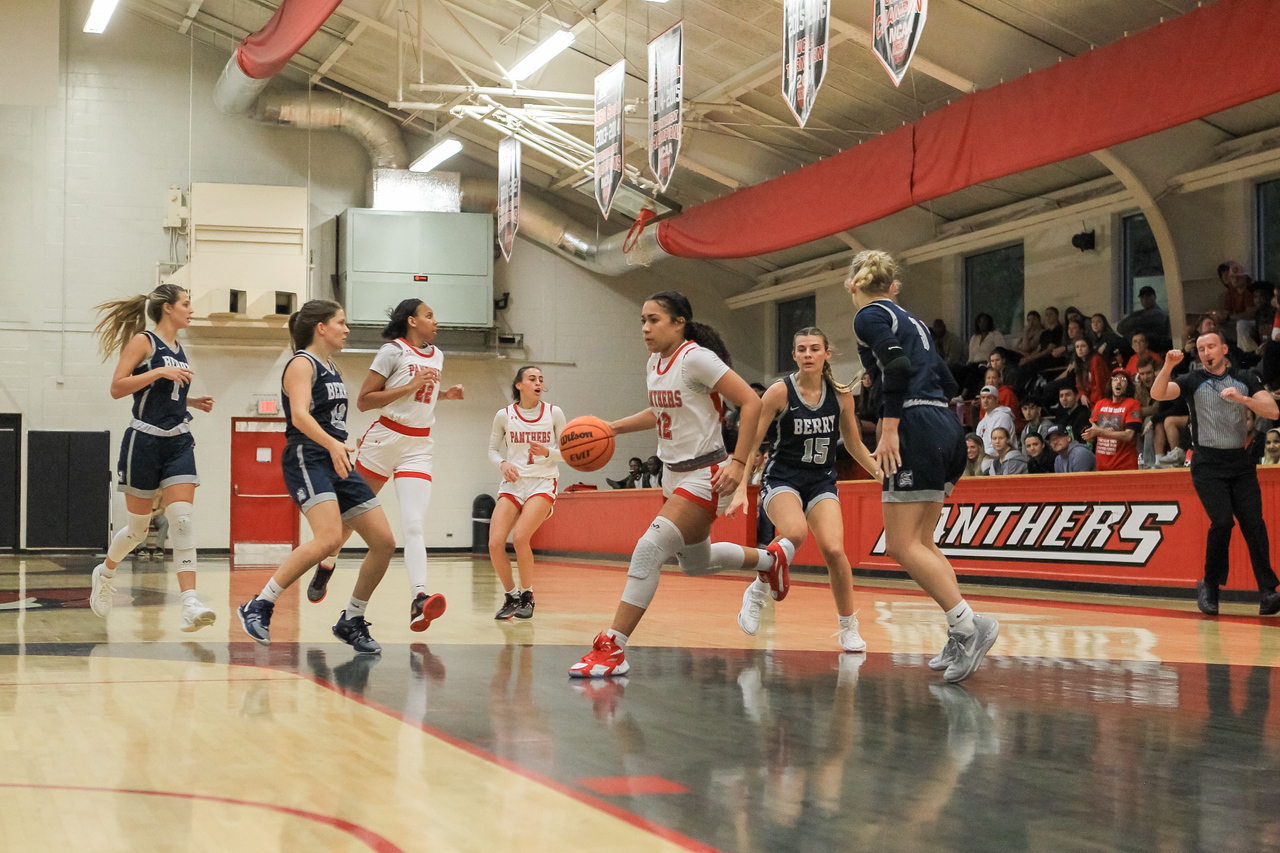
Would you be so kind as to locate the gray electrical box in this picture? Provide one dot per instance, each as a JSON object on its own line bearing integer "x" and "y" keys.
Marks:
{"x": 444, "y": 259}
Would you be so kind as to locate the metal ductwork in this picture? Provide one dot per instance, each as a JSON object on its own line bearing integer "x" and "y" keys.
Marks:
{"x": 378, "y": 132}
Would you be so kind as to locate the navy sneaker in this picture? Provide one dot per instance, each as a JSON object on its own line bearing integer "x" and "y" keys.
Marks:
{"x": 510, "y": 604}
{"x": 319, "y": 586}
{"x": 355, "y": 633}
{"x": 525, "y": 610}
{"x": 255, "y": 616}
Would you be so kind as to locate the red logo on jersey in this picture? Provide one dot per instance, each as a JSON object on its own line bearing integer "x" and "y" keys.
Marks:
{"x": 665, "y": 399}
{"x": 527, "y": 437}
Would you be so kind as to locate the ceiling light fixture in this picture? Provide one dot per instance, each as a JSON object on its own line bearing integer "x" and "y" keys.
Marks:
{"x": 436, "y": 155}
{"x": 541, "y": 55}
{"x": 99, "y": 16}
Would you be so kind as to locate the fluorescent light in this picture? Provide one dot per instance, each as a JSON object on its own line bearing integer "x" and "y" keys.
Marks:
{"x": 436, "y": 155}
{"x": 541, "y": 55}
{"x": 99, "y": 16}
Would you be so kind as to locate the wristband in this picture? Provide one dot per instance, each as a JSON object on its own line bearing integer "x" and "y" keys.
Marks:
{"x": 739, "y": 461}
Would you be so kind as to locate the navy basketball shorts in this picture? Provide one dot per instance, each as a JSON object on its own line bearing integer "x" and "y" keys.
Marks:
{"x": 931, "y": 444}
{"x": 810, "y": 486}
{"x": 311, "y": 479}
{"x": 150, "y": 463}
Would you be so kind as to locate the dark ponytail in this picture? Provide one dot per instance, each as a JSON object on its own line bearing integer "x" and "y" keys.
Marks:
{"x": 303, "y": 322}
{"x": 398, "y": 319}
{"x": 678, "y": 308}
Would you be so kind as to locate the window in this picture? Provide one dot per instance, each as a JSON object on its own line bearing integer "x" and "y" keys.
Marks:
{"x": 793, "y": 315}
{"x": 1142, "y": 264}
{"x": 1269, "y": 231}
{"x": 993, "y": 283}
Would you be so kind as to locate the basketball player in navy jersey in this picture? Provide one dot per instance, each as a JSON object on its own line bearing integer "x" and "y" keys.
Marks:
{"x": 321, "y": 478}
{"x": 157, "y": 454}
{"x": 921, "y": 452}
{"x": 810, "y": 411}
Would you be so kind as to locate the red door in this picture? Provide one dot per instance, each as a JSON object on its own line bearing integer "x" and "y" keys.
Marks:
{"x": 264, "y": 518}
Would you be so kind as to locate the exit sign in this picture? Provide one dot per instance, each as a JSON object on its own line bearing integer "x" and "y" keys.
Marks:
{"x": 266, "y": 407}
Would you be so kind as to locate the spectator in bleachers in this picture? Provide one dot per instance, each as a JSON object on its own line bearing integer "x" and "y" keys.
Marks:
{"x": 948, "y": 345}
{"x": 973, "y": 455}
{"x": 1140, "y": 348}
{"x": 984, "y": 341}
{"x": 1005, "y": 372}
{"x": 1069, "y": 414}
{"x": 1115, "y": 426}
{"x": 1252, "y": 332}
{"x": 1008, "y": 459}
{"x": 635, "y": 473}
{"x": 1039, "y": 456}
{"x": 1088, "y": 372}
{"x": 1028, "y": 342}
{"x": 993, "y": 415}
{"x": 1257, "y": 436}
{"x": 1271, "y": 449}
{"x": 1147, "y": 409}
{"x": 1151, "y": 320}
{"x": 1050, "y": 340}
{"x": 1104, "y": 340}
{"x": 652, "y": 478}
{"x": 1004, "y": 393}
{"x": 1074, "y": 313}
{"x": 1235, "y": 303}
{"x": 1034, "y": 419}
{"x": 1071, "y": 456}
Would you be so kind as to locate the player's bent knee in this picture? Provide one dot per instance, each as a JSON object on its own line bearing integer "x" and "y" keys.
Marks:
{"x": 137, "y": 528}
{"x": 182, "y": 531}
{"x": 695, "y": 559}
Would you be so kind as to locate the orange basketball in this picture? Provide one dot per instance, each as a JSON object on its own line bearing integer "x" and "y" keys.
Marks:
{"x": 586, "y": 443}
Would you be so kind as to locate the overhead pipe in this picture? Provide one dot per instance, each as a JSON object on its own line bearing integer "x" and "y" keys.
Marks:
{"x": 377, "y": 132}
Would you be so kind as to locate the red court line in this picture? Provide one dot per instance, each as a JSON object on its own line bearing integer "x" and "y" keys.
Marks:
{"x": 375, "y": 841}
{"x": 1128, "y": 609}
{"x": 622, "y": 814}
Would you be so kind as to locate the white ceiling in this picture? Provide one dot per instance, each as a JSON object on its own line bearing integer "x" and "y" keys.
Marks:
{"x": 738, "y": 131}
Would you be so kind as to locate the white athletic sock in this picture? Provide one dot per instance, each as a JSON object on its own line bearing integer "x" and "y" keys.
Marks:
{"x": 108, "y": 572}
{"x": 515, "y": 590}
{"x": 355, "y": 607}
{"x": 618, "y": 637}
{"x": 271, "y": 591}
{"x": 414, "y": 494}
{"x": 845, "y": 621}
{"x": 189, "y": 597}
{"x": 525, "y": 589}
{"x": 960, "y": 619}
{"x": 759, "y": 588}
{"x": 788, "y": 548}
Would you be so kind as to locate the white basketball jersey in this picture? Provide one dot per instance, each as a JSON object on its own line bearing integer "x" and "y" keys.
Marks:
{"x": 526, "y": 427}
{"x": 688, "y": 410}
{"x": 400, "y": 361}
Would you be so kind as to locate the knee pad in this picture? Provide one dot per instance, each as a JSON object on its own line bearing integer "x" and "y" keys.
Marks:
{"x": 182, "y": 533}
{"x": 181, "y": 530}
{"x": 129, "y": 537}
{"x": 658, "y": 544}
{"x": 695, "y": 559}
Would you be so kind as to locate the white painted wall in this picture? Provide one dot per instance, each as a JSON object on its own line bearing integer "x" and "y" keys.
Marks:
{"x": 82, "y": 196}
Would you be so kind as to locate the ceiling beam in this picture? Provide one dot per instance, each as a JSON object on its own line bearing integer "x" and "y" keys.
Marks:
{"x": 358, "y": 27}
{"x": 190, "y": 16}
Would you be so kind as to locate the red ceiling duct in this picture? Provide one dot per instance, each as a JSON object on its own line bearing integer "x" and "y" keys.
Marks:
{"x": 265, "y": 53}
{"x": 1200, "y": 63}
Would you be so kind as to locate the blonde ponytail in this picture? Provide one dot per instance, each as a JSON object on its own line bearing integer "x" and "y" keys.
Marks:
{"x": 873, "y": 271}
{"x": 124, "y": 318}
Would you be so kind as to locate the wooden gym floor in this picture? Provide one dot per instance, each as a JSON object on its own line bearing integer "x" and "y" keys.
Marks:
{"x": 1099, "y": 723}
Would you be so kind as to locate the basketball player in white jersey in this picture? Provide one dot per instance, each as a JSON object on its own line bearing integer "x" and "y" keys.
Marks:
{"x": 404, "y": 382}
{"x": 687, "y": 375}
{"x": 524, "y": 446}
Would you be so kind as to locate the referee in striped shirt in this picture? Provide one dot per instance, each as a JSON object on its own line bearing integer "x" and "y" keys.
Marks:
{"x": 1224, "y": 474}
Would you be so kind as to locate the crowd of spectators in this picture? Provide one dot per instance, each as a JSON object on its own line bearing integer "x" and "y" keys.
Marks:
{"x": 1070, "y": 392}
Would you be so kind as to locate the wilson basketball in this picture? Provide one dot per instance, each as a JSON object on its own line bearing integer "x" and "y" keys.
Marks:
{"x": 586, "y": 443}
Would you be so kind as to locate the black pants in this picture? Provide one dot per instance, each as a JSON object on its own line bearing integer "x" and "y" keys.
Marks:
{"x": 1227, "y": 483}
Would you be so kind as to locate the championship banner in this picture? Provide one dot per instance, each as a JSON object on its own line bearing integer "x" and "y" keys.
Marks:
{"x": 610, "y": 132}
{"x": 805, "y": 24}
{"x": 508, "y": 194}
{"x": 895, "y": 32}
{"x": 666, "y": 93}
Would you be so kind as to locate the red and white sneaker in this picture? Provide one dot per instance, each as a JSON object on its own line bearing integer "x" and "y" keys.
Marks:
{"x": 779, "y": 577}
{"x": 604, "y": 659}
{"x": 424, "y": 610}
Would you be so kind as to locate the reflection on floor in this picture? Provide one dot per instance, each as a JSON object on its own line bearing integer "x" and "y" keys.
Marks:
{"x": 1097, "y": 724}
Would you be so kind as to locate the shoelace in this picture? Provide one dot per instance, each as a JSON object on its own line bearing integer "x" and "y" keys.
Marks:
{"x": 361, "y": 628}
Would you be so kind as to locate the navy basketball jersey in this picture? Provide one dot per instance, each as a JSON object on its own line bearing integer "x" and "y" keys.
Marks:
{"x": 163, "y": 403}
{"x": 807, "y": 434}
{"x": 884, "y": 331}
{"x": 328, "y": 404}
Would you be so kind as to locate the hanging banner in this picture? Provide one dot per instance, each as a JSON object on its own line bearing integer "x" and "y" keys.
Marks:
{"x": 805, "y": 24}
{"x": 666, "y": 94}
{"x": 895, "y": 32}
{"x": 508, "y": 194}
{"x": 609, "y": 133}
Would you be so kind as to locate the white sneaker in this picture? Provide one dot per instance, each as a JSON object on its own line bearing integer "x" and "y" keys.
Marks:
{"x": 103, "y": 594}
{"x": 196, "y": 616}
{"x": 1172, "y": 459}
{"x": 850, "y": 639}
{"x": 752, "y": 606}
